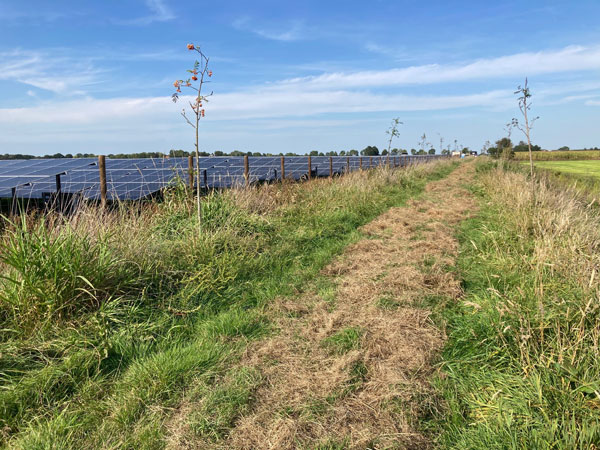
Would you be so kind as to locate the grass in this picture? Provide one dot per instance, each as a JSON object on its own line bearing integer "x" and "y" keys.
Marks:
{"x": 344, "y": 340}
{"x": 577, "y": 168}
{"x": 558, "y": 155}
{"x": 582, "y": 178}
{"x": 108, "y": 319}
{"x": 521, "y": 363}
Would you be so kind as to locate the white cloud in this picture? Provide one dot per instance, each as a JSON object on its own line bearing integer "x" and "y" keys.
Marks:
{"x": 160, "y": 12}
{"x": 570, "y": 59}
{"x": 266, "y": 103}
{"x": 294, "y": 32}
{"x": 53, "y": 73}
{"x": 296, "y": 103}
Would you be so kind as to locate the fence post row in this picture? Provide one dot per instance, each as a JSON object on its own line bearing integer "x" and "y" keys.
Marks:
{"x": 102, "y": 169}
{"x": 246, "y": 171}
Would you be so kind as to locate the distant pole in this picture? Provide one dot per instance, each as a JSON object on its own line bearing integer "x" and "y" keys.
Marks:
{"x": 309, "y": 168}
{"x": 102, "y": 169}
{"x": 205, "y": 177}
{"x": 347, "y": 164}
{"x": 191, "y": 171}
{"x": 282, "y": 168}
{"x": 246, "y": 170}
{"x": 331, "y": 167}
{"x": 360, "y": 163}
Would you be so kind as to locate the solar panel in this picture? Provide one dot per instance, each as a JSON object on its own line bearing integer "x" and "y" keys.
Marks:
{"x": 136, "y": 178}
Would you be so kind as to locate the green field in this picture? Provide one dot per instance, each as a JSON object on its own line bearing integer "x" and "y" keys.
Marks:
{"x": 559, "y": 155}
{"x": 580, "y": 168}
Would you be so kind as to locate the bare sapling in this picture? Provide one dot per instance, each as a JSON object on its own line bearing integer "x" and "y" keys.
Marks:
{"x": 422, "y": 144}
{"x": 525, "y": 106}
{"x": 199, "y": 75}
{"x": 393, "y": 132}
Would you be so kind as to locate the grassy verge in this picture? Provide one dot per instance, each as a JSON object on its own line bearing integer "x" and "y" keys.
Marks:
{"x": 108, "y": 319}
{"x": 521, "y": 364}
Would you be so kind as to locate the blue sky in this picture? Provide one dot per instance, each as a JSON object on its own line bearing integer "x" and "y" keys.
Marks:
{"x": 96, "y": 76}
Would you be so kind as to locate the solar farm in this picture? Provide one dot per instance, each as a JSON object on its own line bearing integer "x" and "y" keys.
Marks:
{"x": 136, "y": 179}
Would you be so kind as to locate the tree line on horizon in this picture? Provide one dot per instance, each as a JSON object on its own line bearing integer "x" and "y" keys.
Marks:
{"x": 504, "y": 144}
{"x": 370, "y": 150}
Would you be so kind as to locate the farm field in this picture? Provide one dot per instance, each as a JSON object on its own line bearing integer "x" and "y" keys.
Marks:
{"x": 588, "y": 168}
{"x": 559, "y": 155}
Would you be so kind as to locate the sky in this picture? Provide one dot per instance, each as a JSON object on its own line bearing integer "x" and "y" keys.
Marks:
{"x": 97, "y": 76}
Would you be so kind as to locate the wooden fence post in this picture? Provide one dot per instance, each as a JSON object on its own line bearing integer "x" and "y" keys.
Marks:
{"x": 309, "y": 168}
{"x": 13, "y": 202}
{"x": 347, "y": 164}
{"x": 102, "y": 169}
{"x": 360, "y": 163}
{"x": 331, "y": 167}
{"x": 191, "y": 172}
{"x": 282, "y": 168}
{"x": 246, "y": 171}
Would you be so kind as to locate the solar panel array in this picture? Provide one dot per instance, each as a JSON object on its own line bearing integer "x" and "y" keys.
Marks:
{"x": 133, "y": 179}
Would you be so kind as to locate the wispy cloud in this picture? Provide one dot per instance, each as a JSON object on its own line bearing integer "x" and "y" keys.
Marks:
{"x": 30, "y": 14}
{"x": 593, "y": 103}
{"x": 294, "y": 32}
{"x": 58, "y": 74}
{"x": 570, "y": 59}
{"x": 266, "y": 103}
{"x": 159, "y": 12}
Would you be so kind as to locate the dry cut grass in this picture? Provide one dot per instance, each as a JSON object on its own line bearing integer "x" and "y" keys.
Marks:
{"x": 349, "y": 365}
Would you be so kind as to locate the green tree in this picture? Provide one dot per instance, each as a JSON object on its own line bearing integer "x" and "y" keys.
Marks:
{"x": 370, "y": 150}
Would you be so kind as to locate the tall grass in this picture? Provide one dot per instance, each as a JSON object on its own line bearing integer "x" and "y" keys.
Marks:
{"x": 522, "y": 362}
{"x": 107, "y": 318}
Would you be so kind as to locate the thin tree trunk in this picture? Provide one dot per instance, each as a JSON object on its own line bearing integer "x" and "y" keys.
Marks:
{"x": 198, "y": 174}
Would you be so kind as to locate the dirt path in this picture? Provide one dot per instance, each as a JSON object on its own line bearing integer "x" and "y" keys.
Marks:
{"x": 350, "y": 365}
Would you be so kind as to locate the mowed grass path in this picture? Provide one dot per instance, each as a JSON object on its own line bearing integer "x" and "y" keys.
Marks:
{"x": 589, "y": 168}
